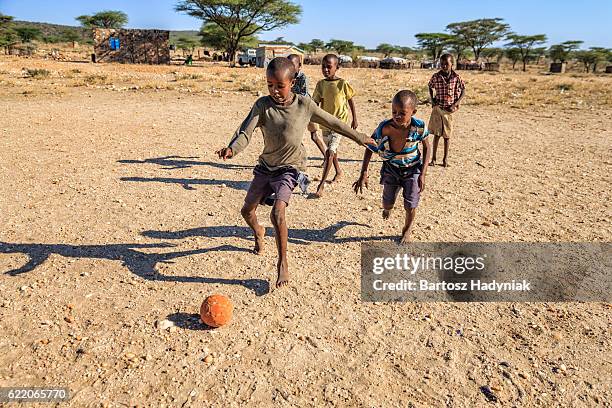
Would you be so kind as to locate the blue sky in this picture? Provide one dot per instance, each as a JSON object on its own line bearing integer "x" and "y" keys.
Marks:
{"x": 364, "y": 22}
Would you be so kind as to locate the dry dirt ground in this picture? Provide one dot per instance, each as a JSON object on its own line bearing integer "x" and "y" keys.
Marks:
{"x": 116, "y": 215}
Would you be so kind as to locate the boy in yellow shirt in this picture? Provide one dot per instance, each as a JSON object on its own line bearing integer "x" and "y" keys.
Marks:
{"x": 335, "y": 96}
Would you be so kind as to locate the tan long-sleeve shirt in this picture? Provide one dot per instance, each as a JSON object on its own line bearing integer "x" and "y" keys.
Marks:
{"x": 283, "y": 131}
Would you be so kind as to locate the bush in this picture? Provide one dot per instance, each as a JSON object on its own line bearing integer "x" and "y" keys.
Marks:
{"x": 36, "y": 73}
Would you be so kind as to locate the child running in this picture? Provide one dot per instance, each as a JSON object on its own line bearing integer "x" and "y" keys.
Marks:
{"x": 397, "y": 142}
{"x": 449, "y": 90}
{"x": 335, "y": 96}
{"x": 282, "y": 117}
{"x": 301, "y": 88}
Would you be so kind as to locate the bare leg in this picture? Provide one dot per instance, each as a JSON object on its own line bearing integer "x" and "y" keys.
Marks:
{"x": 249, "y": 215}
{"x": 328, "y": 163}
{"x": 339, "y": 171}
{"x": 434, "y": 150}
{"x": 387, "y": 211}
{"x": 317, "y": 140}
{"x": 280, "y": 227}
{"x": 445, "y": 159}
{"x": 410, "y": 213}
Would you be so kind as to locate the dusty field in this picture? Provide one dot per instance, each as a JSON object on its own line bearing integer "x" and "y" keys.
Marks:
{"x": 115, "y": 215}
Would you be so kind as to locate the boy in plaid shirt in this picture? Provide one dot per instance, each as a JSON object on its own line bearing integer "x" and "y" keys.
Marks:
{"x": 449, "y": 90}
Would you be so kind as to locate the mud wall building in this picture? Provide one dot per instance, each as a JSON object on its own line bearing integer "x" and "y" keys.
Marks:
{"x": 131, "y": 46}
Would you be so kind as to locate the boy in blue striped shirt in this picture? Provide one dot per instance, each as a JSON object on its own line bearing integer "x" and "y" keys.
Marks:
{"x": 403, "y": 167}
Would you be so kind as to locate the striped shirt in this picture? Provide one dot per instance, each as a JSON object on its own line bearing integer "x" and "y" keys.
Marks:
{"x": 410, "y": 154}
{"x": 301, "y": 84}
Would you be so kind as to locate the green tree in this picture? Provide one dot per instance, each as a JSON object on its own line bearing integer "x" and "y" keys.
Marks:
{"x": 563, "y": 52}
{"x": 340, "y": 46}
{"x": 242, "y": 18}
{"x": 5, "y": 20}
{"x": 186, "y": 44}
{"x": 479, "y": 34}
{"x": 525, "y": 44}
{"x": 104, "y": 19}
{"x": 211, "y": 35}
{"x": 306, "y": 47}
{"x": 492, "y": 54}
{"x": 386, "y": 49}
{"x": 514, "y": 55}
{"x": 457, "y": 46}
{"x": 587, "y": 57}
{"x": 434, "y": 43}
{"x": 600, "y": 54}
{"x": 317, "y": 44}
{"x": 280, "y": 41}
{"x": 404, "y": 51}
{"x": 28, "y": 34}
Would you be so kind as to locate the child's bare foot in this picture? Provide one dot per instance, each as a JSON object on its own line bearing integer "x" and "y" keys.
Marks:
{"x": 283, "y": 274}
{"x": 319, "y": 192}
{"x": 432, "y": 163}
{"x": 406, "y": 238}
{"x": 338, "y": 176}
{"x": 260, "y": 233}
{"x": 445, "y": 164}
{"x": 386, "y": 214}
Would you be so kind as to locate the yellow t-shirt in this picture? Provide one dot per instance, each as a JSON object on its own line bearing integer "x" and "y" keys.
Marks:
{"x": 335, "y": 95}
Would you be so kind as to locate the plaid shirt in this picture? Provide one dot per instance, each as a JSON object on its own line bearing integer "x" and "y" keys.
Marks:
{"x": 447, "y": 91}
{"x": 301, "y": 85}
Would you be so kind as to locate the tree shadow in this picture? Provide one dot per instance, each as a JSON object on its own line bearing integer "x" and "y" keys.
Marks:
{"x": 184, "y": 162}
{"x": 139, "y": 263}
{"x": 188, "y": 184}
{"x": 302, "y": 236}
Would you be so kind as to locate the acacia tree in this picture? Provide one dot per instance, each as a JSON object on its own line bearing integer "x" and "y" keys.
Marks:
{"x": 564, "y": 51}
{"x": 434, "y": 43}
{"x": 600, "y": 54}
{"x": 404, "y": 51}
{"x": 8, "y": 36}
{"x": 479, "y": 34}
{"x": 457, "y": 46}
{"x": 211, "y": 35}
{"x": 242, "y": 18}
{"x": 104, "y": 19}
{"x": 514, "y": 55}
{"x": 525, "y": 44}
{"x": 386, "y": 49}
{"x": 340, "y": 46}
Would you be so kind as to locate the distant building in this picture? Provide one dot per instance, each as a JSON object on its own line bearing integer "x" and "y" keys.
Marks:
{"x": 267, "y": 52}
{"x": 131, "y": 46}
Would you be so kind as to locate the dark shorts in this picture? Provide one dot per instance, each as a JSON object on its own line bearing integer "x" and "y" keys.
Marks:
{"x": 265, "y": 183}
{"x": 393, "y": 179}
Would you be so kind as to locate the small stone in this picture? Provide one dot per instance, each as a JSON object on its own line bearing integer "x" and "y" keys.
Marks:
{"x": 496, "y": 223}
{"x": 130, "y": 356}
{"x": 208, "y": 359}
{"x": 486, "y": 224}
{"x": 563, "y": 367}
{"x": 368, "y": 208}
{"x": 172, "y": 329}
{"x": 557, "y": 336}
{"x": 23, "y": 288}
{"x": 69, "y": 319}
{"x": 164, "y": 324}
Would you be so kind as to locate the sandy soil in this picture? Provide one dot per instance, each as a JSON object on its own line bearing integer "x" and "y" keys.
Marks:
{"x": 116, "y": 215}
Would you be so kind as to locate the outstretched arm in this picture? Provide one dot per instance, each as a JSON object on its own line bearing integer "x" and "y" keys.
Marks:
{"x": 243, "y": 134}
{"x": 331, "y": 122}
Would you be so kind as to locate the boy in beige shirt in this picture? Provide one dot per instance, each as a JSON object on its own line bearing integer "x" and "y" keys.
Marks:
{"x": 282, "y": 117}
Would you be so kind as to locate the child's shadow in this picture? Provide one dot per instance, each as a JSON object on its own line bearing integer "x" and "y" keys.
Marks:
{"x": 184, "y": 162}
{"x": 142, "y": 264}
{"x": 188, "y": 184}
{"x": 303, "y": 236}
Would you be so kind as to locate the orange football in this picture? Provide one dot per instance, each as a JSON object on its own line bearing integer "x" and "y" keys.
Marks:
{"x": 216, "y": 310}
